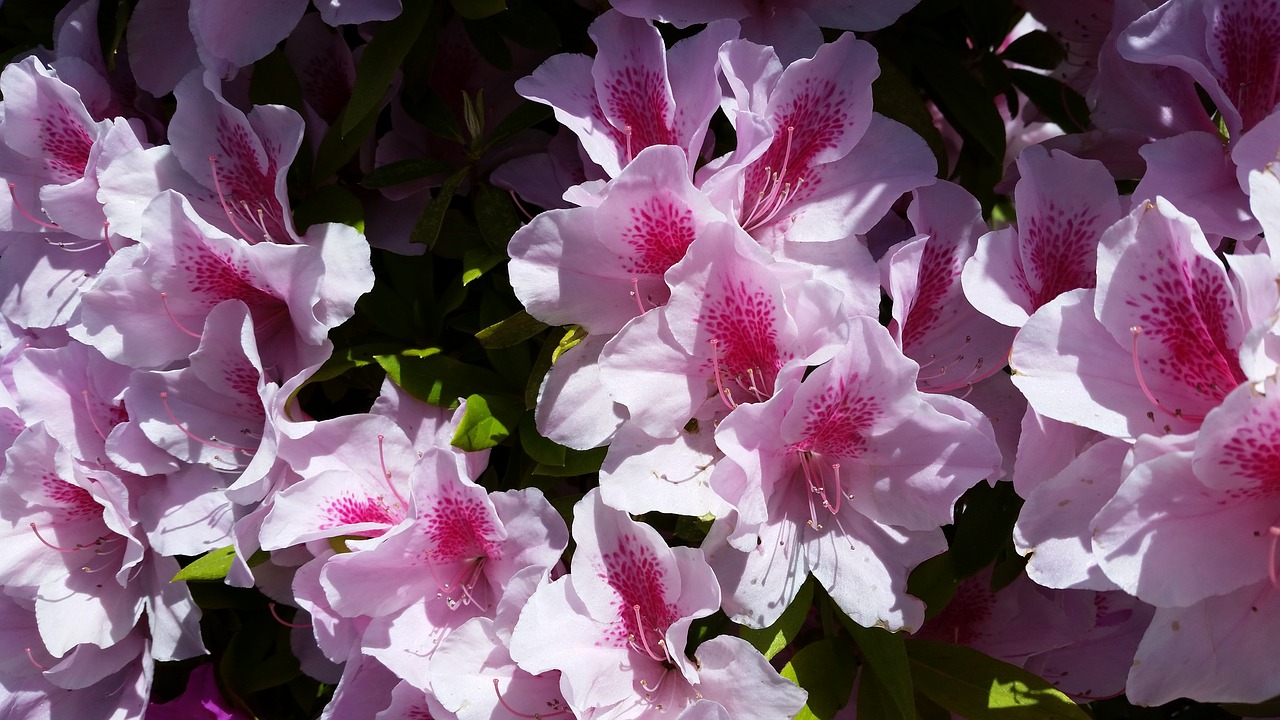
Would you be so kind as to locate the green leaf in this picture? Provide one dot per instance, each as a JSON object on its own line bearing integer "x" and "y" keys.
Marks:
{"x": 213, "y": 565}
{"x": 885, "y": 657}
{"x": 427, "y": 229}
{"x": 895, "y": 98}
{"x": 403, "y": 171}
{"x": 384, "y": 53}
{"x": 489, "y": 44}
{"x": 976, "y": 686}
{"x": 530, "y": 26}
{"x": 438, "y": 379}
{"x": 477, "y": 262}
{"x": 434, "y": 114}
{"x": 933, "y": 581}
{"x": 542, "y": 450}
{"x": 771, "y": 640}
{"x": 576, "y": 462}
{"x": 478, "y": 9}
{"x": 826, "y": 669}
{"x": 511, "y": 331}
{"x": 1036, "y": 49}
{"x": 1060, "y": 103}
{"x": 874, "y": 699}
{"x": 331, "y": 203}
{"x": 487, "y": 421}
{"x": 572, "y": 336}
{"x": 526, "y": 115}
{"x": 984, "y": 525}
{"x": 965, "y": 103}
{"x": 495, "y": 215}
{"x": 274, "y": 82}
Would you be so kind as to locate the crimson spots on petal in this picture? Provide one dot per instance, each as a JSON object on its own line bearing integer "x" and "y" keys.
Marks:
{"x": 65, "y": 142}
{"x": 633, "y": 571}
{"x": 963, "y": 618}
{"x": 743, "y": 321}
{"x": 1254, "y": 452}
{"x": 73, "y": 500}
{"x": 637, "y": 98}
{"x": 659, "y": 235}
{"x": 835, "y": 423}
{"x": 1061, "y": 249}
{"x": 250, "y": 189}
{"x": 1187, "y": 310}
{"x": 216, "y": 278}
{"x": 460, "y": 528}
{"x": 937, "y": 279}
{"x": 350, "y": 510}
{"x": 1244, "y": 40}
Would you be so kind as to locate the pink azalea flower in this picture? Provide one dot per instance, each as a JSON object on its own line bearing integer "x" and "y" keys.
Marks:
{"x": 813, "y": 162}
{"x": 791, "y": 27}
{"x": 199, "y": 701}
{"x": 625, "y": 100}
{"x": 933, "y": 323}
{"x": 1063, "y": 205}
{"x": 1227, "y": 46}
{"x": 1155, "y": 347}
{"x": 820, "y": 477}
{"x": 1096, "y": 664}
{"x": 616, "y": 629}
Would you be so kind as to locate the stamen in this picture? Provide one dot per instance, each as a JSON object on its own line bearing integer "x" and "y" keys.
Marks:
{"x": 635, "y": 293}
{"x": 164, "y": 300}
{"x": 13, "y": 193}
{"x": 106, "y": 236}
{"x": 217, "y": 186}
{"x": 626, "y": 131}
{"x": 32, "y": 658}
{"x": 725, "y": 395}
{"x": 164, "y": 400}
{"x": 51, "y": 546}
{"x": 386, "y": 474}
{"x": 644, "y": 639}
{"x": 535, "y": 716}
{"x": 1142, "y": 383}
{"x": 89, "y": 411}
{"x": 1271, "y": 558}
{"x": 272, "y": 607}
{"x": 519, "y": 205}
{"x": 654, "y": 688}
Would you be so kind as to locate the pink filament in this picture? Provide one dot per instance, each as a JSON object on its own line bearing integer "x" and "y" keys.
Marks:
{"x": 272, "y": 607}
{"x": 13, "y": 194}
{"x": 164, "y": 400}
{"x": 217, "y": 186}
{"x": 164, "y": 300}
{"x": 517, "y": 713}
{"x": 1137, "y": 369}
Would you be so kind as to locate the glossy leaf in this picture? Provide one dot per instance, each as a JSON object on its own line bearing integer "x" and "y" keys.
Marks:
{"x": 427, "y": 229}
{"x": 213, "y": 565}
{"x": 511, "y": 331}
{"x": 384, "y": 53}
{"x": 771, "y": 640}
{"x": 403, "y": 171}
{"x": 885, "y": 664}
{"x": 826, "y": 670}
{"x": 976, "y": 686}
{"x": 1036, "y": 49}
{"x": 487, "y": 421}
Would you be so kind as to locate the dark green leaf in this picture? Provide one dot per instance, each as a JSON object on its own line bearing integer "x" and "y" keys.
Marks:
{"x": 1058, "y": 102}
{"x": 1036, "y": 49}
{"x": 895, "y": 98}
{"x": 438, "y": 379}
{"x": 274, "y": 82}
{"x": 542, "y": 450}
{"x": 403, "y": 171}
{"x": 487, "y": 421}
{"x": 989, "y": 21}
{"x": 427, "y": 228}
{"x": 874, "y": 699}
{"x": 976, "y": 686}
{"x": 933, "y": 581}
{"x": 826, "y": 669}
{"x": 984, "y": 525}
{"x": 331, "y": 203}
{"x": 478, "y": 9}
{"x": 495, "y": 215}
{"x": 884, "y": 657}
{"x": 525, "y": 116}
{"x": 1271, "y": 708}
{"x": 576, "y": 462}
{"x": 489, "y": 44}
{"x": 378, "y": 64}
{"x": 965, "y": 103}
{"x": 337, "y": 148}
{"x": 434, "y": 114}
{"x": 530, "y": 26}
{"x": 512, "y": 331}
{"x": 771, "y": 640}
{"x": 478, "y": 261}
{"x": 213, "y": 565}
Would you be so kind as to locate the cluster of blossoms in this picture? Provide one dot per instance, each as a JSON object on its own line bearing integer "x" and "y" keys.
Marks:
{"x": 783, "y": 326}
